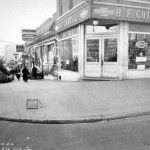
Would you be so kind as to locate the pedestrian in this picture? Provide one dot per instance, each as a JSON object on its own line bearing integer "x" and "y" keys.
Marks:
{"x": 25, "y": 74}
{"x": 34, "y": 72}
{"x": 75, "y": 64}
{"x": 17, "y": 73}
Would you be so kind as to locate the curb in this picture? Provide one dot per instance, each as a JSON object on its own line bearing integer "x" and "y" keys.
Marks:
{"x": 77, "y": 120}
{"x": 54, "y": 121}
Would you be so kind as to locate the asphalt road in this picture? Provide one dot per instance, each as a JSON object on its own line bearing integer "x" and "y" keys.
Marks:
{"x": 129, "y": 134}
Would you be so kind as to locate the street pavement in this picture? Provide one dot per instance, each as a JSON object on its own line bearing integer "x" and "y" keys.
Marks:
{"x": 74, "y": 102}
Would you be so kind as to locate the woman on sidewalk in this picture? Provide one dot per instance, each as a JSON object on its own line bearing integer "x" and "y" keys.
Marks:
{"x": 25, "y": 74}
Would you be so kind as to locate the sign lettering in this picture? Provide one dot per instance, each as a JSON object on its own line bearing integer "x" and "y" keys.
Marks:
{"x": 118, "y": 13}
{"x": 141, "y": 44}
{"x": 74, "y": 19}
{"x": 28, "y": 35}
{"x": 121, "y": 13}
{"x": 101, "y": 11}
{"x": 20, "y": 48}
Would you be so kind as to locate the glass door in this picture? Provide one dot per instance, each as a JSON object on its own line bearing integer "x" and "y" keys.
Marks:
{"x": 92, "y": 57}
{"x": 109, "y": 56}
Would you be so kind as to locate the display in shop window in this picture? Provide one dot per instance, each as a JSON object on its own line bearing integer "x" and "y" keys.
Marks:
{"x": 93, "y": 50}
{"x": 139, "y": 51}
{"x": 69, "y": 52}
{"x": 110, "y": 50}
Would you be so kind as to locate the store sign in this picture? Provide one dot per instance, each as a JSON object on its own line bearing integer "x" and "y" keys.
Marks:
{"x": 20, "y": 48}
{"x": 140, "y": 59}
{"x": 141, "y": 67}
{"x": 28, "y": 34}
{"x": 141, "y": 44}
{"x": 83, "y": 14}
{"x": 73, "y": 18}
{"x": 120, "y": 13}
{"x": 104, "y": 11}
{"x": 25, "y": 56}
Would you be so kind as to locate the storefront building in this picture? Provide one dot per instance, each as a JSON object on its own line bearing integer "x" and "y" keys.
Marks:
{"x": 42, "y": 50}
{"x": 103, "y": 39}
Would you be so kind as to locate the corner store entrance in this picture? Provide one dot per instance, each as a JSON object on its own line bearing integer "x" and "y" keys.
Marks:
{"x": 101, "y": 56}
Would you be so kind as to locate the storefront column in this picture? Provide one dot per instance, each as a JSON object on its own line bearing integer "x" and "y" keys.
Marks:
{"x": 126, "y": 45}
{"x": 81, "y": 51}
{"x": 123, "y": 50}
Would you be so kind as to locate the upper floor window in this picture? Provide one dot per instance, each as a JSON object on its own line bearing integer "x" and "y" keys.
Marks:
{"x": 70, "y": 4}
{"x": 60, "y": 8}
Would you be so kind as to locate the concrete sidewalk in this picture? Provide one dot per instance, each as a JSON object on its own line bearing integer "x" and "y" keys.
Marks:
{"x": 74, "y": 102}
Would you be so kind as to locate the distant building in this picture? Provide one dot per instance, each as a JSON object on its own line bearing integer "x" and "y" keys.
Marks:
{"x": 10, "y": 52}
{"x": 10, "y": 49}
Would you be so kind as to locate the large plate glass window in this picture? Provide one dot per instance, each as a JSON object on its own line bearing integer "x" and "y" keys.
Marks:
{"x": 139, "y": 51}
{"x": 69, "y": 53}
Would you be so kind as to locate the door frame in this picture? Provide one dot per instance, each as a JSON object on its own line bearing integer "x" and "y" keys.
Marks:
{"x": 101, "y": 54}
{"x": 89, "y": 65}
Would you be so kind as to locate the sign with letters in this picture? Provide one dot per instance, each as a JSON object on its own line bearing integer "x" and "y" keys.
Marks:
{"x": 140, "y": 59}
{"x": 28, "y": 34}
{"x": 20, "y": 48}
{"x": 120, "y": 13}
{"x": 102, "y": 11}
{"x": 141, "y": 44}
{"x": 76, "y": 16}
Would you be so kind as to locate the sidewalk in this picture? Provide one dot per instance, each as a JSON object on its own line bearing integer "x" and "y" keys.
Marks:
{"x": 73, "y": 102}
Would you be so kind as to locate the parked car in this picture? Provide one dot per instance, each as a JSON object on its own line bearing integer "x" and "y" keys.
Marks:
{"x": 40, "y": 75}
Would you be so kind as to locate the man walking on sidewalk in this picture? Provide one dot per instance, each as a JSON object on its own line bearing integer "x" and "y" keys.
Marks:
{"x": 25, "y": 74}
{"x": 17, "y": 73}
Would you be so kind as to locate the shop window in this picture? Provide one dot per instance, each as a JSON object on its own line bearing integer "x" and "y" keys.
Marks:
{"x": 139, "y": 51}
{"x": 69, "y": 52}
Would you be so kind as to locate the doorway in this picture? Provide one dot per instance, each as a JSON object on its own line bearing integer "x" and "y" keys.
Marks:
{"x": 101, "y": 56}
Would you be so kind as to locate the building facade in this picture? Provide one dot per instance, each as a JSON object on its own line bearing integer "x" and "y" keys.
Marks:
{"x": 103, "y": 39}
{"x": 42, "y": 50}
{"x": 10, "y": 49}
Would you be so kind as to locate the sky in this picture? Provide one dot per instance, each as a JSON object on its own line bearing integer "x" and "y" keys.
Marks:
{"x": 16, "y": 15}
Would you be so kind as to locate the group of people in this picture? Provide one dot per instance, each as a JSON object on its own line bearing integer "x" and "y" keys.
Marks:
{"x": 25, "y": 73}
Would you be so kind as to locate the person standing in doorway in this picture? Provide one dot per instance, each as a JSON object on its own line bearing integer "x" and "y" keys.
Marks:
{"x": 25, "y": 74}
